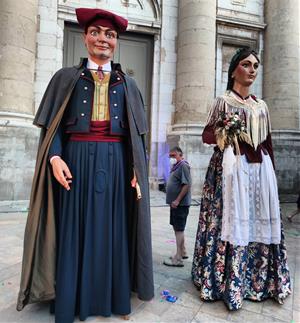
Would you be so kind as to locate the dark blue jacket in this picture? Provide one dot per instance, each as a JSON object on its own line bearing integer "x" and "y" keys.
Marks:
{"x": 77, "y": 116}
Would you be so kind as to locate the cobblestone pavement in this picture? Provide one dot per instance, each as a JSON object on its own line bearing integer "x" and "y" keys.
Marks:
{"x": 188, "y": 308}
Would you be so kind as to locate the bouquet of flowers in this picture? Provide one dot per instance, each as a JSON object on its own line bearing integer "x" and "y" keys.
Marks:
{"x": 230, "y": 128}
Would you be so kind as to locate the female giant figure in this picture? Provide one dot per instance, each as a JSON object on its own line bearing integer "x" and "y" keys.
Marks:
{"x": 240, "y": 251}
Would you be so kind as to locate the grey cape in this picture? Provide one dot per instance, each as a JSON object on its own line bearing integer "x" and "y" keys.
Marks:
{"x": 39, "y": 257}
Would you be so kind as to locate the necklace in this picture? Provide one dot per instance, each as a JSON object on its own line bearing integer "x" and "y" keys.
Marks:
{"x": 238, "y": 94}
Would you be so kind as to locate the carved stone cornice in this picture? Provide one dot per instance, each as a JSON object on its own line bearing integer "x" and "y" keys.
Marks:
{"x": 289, "y": 135}
{"x": 193, "y": 129}
{"x": 241, "y": 23}
{"x": 13, "y": 119}
{"x": 67, "y": 12}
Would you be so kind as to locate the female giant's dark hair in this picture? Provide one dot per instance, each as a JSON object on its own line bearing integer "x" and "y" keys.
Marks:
{"x": 239, "y": 55}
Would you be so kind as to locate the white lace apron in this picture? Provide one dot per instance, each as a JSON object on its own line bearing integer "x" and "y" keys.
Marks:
{"x": 251, "y": 211}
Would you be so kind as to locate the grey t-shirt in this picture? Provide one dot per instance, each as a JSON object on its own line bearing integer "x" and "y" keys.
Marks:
{"x": 179, "y": 177}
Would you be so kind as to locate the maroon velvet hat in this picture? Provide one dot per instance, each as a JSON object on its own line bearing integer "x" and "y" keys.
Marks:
{"x": 97, "y": 17}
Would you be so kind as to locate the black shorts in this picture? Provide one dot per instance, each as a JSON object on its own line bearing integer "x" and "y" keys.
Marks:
{"x": 178, "y": 217}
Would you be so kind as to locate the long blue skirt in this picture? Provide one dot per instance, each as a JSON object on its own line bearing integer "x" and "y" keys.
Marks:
{"x": 92, "y": 275}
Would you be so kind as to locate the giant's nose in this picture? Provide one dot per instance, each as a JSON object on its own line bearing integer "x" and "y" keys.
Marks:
{"x": 101, "y": 36}
{"x": 252, "y": 69}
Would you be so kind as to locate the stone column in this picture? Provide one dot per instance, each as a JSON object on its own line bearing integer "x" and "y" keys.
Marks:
{"x": 195, "y": 82}
{"x": 18, "y": 25}
{"x": 282, "y": 88}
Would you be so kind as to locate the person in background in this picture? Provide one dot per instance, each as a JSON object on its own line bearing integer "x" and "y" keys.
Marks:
{"x": 88, "y": 236}
{"x": 240, "y": 250}
{"x": 178, "y": 196}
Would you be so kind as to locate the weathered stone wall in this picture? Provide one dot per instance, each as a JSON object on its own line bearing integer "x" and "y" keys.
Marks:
{"x": 196, "y": 60}
{"x": 17, "y": 55}
{"x": 282, "y": 63}
{"x": 49, "y": 47}
{"x": 195, "y": 82}
{"x": 18, "y": 138}
{"x": 164, "y": 84}
{"x": 282, "y": 88}
{"x": 287, "y": 160}
{"x": 18, "y": 152}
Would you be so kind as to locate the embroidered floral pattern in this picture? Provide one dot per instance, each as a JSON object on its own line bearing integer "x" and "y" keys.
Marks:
{"x": 233, "y": 273}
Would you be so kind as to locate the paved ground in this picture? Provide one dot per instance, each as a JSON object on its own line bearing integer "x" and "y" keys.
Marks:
{"x": 188, "y": 308}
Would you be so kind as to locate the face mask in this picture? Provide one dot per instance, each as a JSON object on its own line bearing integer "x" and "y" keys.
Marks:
{"x": 173, "y": 161}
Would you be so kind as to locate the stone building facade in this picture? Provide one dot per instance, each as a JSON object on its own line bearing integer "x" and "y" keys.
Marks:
{"x": 188, "y": 44}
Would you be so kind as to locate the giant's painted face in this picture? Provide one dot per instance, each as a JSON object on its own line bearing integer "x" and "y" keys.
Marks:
{"x": 100, "y": 42}
{"x": 246, "y": 71}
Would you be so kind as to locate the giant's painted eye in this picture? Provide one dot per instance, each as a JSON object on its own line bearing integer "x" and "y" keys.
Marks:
{"x": 94, "y": 33}
{"x": 110, "y": 34}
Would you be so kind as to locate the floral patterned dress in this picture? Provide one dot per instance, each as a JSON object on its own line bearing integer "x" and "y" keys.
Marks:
{"x": 222, "y": 270}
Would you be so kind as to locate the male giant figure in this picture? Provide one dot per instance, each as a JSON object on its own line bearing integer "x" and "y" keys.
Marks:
{"x": 88, "y": 240}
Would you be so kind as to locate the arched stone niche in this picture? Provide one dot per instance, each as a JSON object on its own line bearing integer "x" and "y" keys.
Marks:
{"x": 139, "y": 12}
